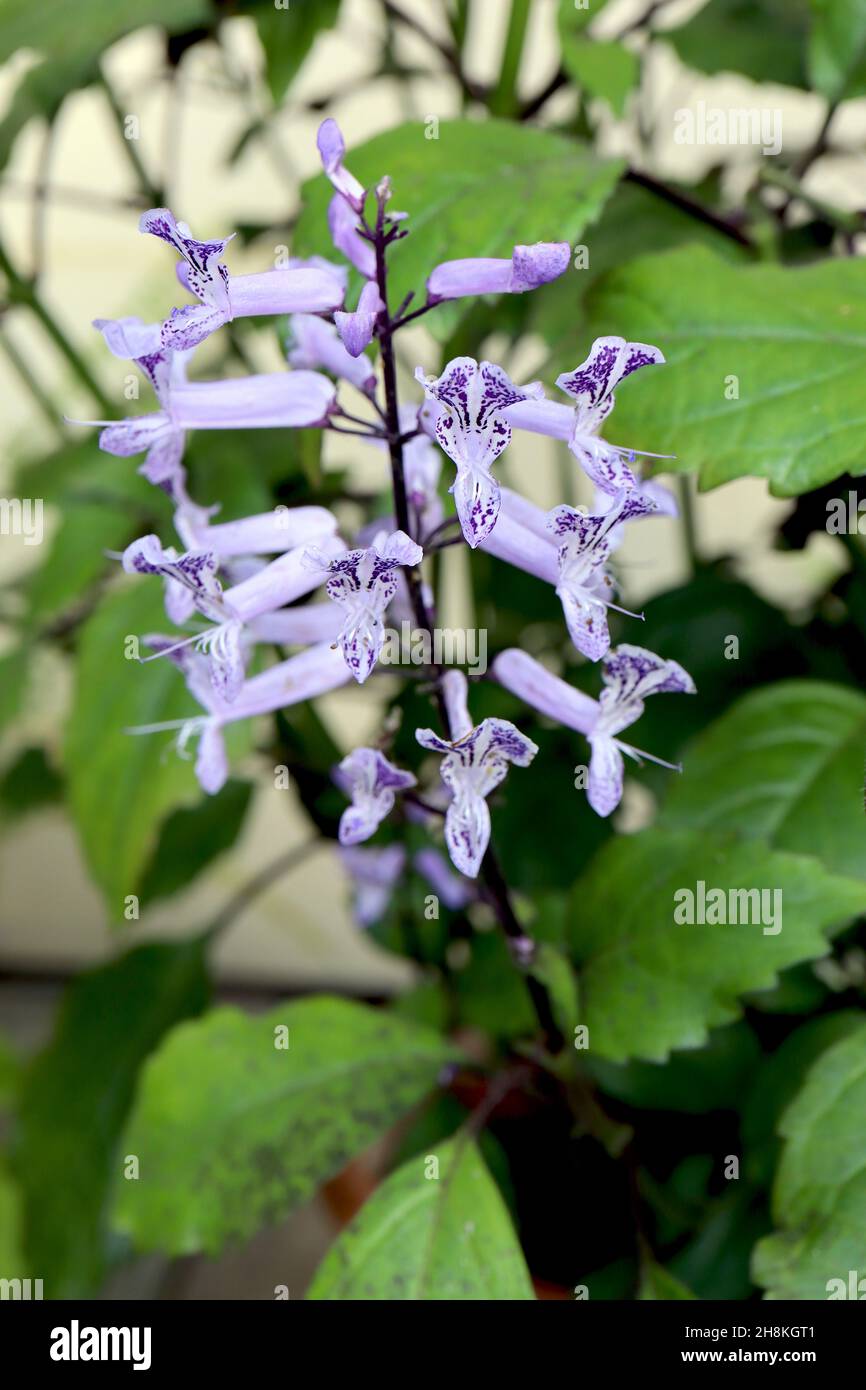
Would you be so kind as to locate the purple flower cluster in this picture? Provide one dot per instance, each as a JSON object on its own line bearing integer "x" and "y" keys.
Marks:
{"x": 237, "y": 584}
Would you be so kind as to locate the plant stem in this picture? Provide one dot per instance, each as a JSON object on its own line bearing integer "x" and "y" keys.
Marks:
{"x": 142, "y": 177}
{"x": 22, "y": 291}
{"x": 496, "y": 891}
{"x": 503, "y": 99}
{"x": 690, "y": 206}
{"x": 687, "y": 515}
{"x": 258, "y": 884}
{"x": 52, "y": 415}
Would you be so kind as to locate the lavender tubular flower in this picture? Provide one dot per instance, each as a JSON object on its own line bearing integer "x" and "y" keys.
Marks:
{"x": 356, "y": 329}
{"x": 192, "y": 585}
{"x": 514, "y": 541}
{"x": 313, "y": 672}
{"x": 529, "y": 267}
{"x": 290, "y": 400}
{"x": 362, "y": 583}
{"x": 315, "y": 343}
{"x": 630, "y": 674}
{"x": 472, "y": 429}
{"x": 225, "y": 297}
{"x": 371, "y": 782}
{"x": 332, "y": 148}
{"x": 374, "y": 874}
{"x": 307, "y": 623}
{"x": 268, "y": 533}
{"x": 343, "y": 226}
{"x": 473, "y": 765}
{"x": 585, "y": 588}
{"x": 159, "y": 434}
{"x": 591, "y": 385}
{"x": 279, "y": 400}
{"x": 453, "y": 891}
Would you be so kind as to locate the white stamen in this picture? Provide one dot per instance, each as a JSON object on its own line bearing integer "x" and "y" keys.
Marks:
{"x": 638, "y": 754}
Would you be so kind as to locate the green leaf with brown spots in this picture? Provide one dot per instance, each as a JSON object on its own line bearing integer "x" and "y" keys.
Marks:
{"x": 437, "y": 1229}
{"x": 764, "y": 371}
{"x": 233, "y": 1128}
{"x": 819, "y": 1195}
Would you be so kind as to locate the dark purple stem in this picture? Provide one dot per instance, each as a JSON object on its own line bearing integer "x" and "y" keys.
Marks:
{"x": 496, "y": 892}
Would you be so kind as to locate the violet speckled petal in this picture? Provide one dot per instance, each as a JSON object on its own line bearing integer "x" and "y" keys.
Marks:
{"x": 631, "y": 674}
{"x": 163, "y": 466}
{"x": 604, "y": 787}
{"x": 195, "y": 571}
{"x": 207, "y": 277}
{"x": 472, "y": 430}
{"x": 186, "y": 328}
{"x": 130, "y": 337}
{"x": 372, "y": 783}
{"x": 135, "y": 435}
{"x": 472, "y": 767}
{"x": 363, "y": 583}
{"x": 610, "y": 360}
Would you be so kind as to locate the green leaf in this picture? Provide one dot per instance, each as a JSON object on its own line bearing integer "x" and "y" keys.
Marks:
{"x": 785, "y": 765}
{"x": 609, "y": 70}
{"x": 10, "y": 1071}
{"x": 837, "y": 48}
{"x": 648, "y": 983}
{"x": 476, "y": 190}
{"x": 554, "y": 971}
{"x": 574, "y": 15}
{"x": 791, "y": 342}
{"x": 777, "y": 1080}
{"x": 29, "y": 784}
{"x": 233, "y": 1130}
{"x": 287, "y": 34}
{"x": 692, "y": 1082}
{"x": 12, "y": 1258}
{"x": 763, "y": 39}
{"x": 658, "y": 1284}
{"x": 426, "y": 1237}
{"x": 633, "y": 219}
{"x": 193, "y": 837}
{"x": 14, "y": 678}
{"x": 75, "y": 1097}
{"x": 819, "y": 1196}
{"x": 122, "y": 785}
{"x": 76, "y": 557}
